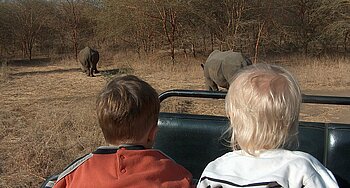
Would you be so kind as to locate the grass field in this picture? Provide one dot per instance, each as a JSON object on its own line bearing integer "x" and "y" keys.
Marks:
{"x": 47, "y": 114}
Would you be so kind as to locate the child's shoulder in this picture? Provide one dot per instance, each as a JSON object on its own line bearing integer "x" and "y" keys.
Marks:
{"x": 227, "y": 158}
{"x": 237, "y": 157}
{"x": 307, "y": 159}
{"x": 302, "y": 156}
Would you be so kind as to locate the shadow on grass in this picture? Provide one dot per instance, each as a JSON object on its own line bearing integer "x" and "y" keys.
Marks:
{"x": 67, "y": 98}
{"x": 29, "y": 63}
{"x": 114, "y": 72}
{"x": 46, "y": 72}
{"x": 106, "y": 73}
{"x": 38, "y": 62}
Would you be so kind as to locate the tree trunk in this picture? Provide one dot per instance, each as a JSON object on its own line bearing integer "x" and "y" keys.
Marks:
{"x": 75, "y": 44}
{"x": 30, "y": 47}
{"x": 193, "y": 50}
{"x": 347, "y": 34}
{"x": 204, "y": 44}
{"x": 212, "y": 41}
{"x": 24, "y": 50}
{"x": 30, "y": 53}
{"x": 305, "y": 48}
{"x": 169, "y": 34}
{"x": 184, "y": 50}
{"x": 257, "y": 42}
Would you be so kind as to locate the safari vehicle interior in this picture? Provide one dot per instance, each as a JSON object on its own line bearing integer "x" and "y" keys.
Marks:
{"x": 194, "y": 140}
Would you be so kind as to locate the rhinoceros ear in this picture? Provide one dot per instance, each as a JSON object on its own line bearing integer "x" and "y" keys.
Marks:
{"x": 246, "y": 62}
{"x": 249, "y": 62}
{"x": 202, "y": 65}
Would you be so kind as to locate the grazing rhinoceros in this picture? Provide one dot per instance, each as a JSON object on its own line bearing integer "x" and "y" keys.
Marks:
{"x": 221, "y": 66}
{"x": 88, "y": 58}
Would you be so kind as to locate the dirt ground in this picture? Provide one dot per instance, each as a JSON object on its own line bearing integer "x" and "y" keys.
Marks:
{"x": 327, "y": 113}
{"x": 47, "y": 113}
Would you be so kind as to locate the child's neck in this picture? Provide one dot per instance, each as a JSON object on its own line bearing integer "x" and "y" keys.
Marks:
{"x": 125, "y": 144}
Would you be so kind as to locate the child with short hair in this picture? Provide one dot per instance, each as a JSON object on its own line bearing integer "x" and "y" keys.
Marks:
{"x": 263, "y": 105}
{"x": 127, "y": 111}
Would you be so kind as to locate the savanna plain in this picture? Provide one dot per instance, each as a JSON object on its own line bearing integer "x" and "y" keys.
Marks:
{"x": 47, "y": 114}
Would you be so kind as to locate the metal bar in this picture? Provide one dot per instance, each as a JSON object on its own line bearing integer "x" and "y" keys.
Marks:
{"x": 192, "y": 93}
{"x": 317, "y": 99}
{"x": 314, "y": 99}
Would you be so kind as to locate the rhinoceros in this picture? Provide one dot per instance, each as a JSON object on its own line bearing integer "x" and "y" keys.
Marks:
{"x": 89, "y": 58}
{"x": 220, "y": 67}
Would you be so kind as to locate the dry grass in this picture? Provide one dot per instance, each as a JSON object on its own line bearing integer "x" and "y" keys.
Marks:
{"x": 4, "y": 71}
{"x": 326, "y": 73}
{"x": 322, "y": 76}
{"x": 47, "y": 116}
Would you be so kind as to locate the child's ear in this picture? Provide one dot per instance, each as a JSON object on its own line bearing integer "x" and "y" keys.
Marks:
{"x": 153, "y": 133}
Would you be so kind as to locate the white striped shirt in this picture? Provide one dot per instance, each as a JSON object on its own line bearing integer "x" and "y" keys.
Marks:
{"x": 274, "y": 168}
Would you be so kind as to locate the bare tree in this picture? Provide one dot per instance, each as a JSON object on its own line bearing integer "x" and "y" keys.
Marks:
{"x": 336, "y": 23}
{"x": 72, "y": 21}
{"x": 129, "y": 23}
{"x": 169, "y": 19}
{"x": 72, "y": 15}
{"x": 234, "y": 12}
{"x": 7, "y": 37}
{"x": 27, "y": 20}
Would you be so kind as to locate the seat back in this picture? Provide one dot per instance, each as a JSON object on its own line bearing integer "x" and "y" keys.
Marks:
{"x": 192, "y": 141}
{"x": 312, "y": 139}
{"x": 338, "y": 152}
{"x": 195, "y": 140}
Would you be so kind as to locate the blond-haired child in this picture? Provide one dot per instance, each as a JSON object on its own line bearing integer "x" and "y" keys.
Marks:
{"x": 263, "y": 105}
{"x": 127, "y": 111}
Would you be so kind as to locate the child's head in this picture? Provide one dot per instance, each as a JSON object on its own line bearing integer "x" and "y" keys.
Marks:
{"x": 263, "y": 104}
{"x": 127, "y": 110}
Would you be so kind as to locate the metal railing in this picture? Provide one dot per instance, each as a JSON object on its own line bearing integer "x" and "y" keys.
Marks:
{"x": 315, "y": 99}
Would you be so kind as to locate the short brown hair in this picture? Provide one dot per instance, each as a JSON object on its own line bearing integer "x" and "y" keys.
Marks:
{"x": 263, "y": 104}
{"x": 127, "y": 107}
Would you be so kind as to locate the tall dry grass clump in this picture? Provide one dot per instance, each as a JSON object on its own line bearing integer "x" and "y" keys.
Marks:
{"x": 67, "y": 62}
{"x": 4, "y": 71}
{"x": 320, "y": 73}
{"x": 328, "y": 75}
{"x": 43, "y": 142}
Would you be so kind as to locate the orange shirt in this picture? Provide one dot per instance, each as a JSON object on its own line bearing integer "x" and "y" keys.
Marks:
{"x": 125, "y": 168}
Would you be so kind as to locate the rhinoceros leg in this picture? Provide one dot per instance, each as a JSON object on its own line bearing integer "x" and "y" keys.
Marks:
{"x": 214, "y": 88}
{"x": 83, "y": 69}
{"x": 211, "y": 85}
{"x": 91, "y": 72}
{"x": 95, "y": 69}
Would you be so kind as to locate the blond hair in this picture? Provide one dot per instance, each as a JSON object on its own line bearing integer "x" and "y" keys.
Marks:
{"x": 263, "y": 105}
{"x": 127, "y": 108}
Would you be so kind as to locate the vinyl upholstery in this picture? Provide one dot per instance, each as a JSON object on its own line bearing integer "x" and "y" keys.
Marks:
{"x": 195, "y": 140}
